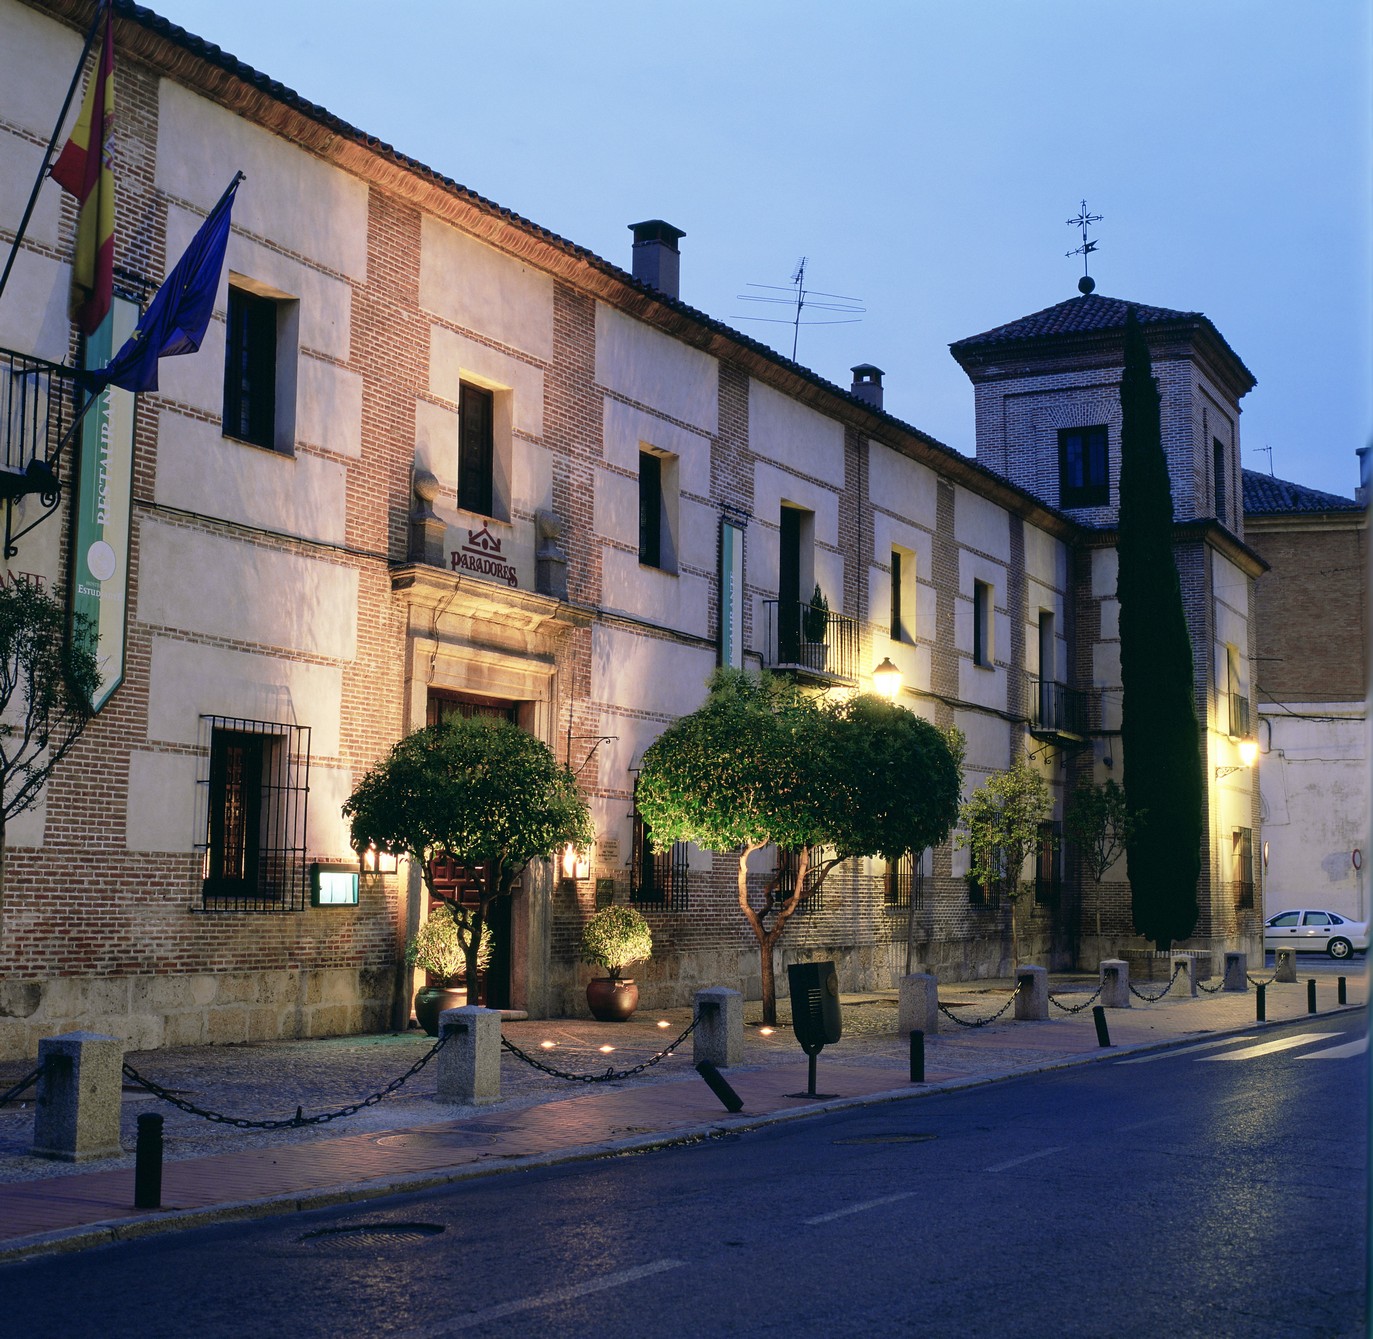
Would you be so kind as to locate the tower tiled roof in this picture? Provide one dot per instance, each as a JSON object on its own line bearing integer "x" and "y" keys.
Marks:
{"x": 1266, "y": 496}
{"x": 1088, "y": 314}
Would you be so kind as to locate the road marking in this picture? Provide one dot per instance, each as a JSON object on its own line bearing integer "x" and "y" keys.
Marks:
{"x": 439, "y": 1328}
{"x": 1185, "y": 1050}
{"x": 1338, "y": 1052}
{"x": 857, "y": 1208}
{"x": 1029, "y": 1157}
{"x": 1269, "y": 1047}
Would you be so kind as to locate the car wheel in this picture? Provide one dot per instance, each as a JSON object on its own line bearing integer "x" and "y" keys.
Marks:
{"x": 1340, "y": 948}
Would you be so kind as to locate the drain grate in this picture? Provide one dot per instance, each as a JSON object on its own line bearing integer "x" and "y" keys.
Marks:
{"x": 372, "y": 1234}
{"x": 893, "y": 1138}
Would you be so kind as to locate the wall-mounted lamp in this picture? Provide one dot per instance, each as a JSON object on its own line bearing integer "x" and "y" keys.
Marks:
{"x": 886, "y": 679}
{"x": 379, "y": 862}
{"x": 1248, "y": 751}
{"x": 576, "y": 864}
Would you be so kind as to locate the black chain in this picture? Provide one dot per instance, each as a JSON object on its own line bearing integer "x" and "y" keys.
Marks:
{"x": 1077, "y": 1008}
{"x": 1254, "y": 981}
{"x": 611, "y": 1075}
{"x": 27, "y": 1082}
{"x": 1211, "y": 990}
{"x": 981, "y": 1022}
{"x": 1154, "y": 999}
{"x": 299, "y": 1120}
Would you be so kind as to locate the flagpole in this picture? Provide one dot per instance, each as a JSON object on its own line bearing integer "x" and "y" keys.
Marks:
{"x": 52, "y": 144}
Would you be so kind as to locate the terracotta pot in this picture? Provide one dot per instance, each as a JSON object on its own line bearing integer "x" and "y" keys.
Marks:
{"x": 611, "y": 999}
{"x": 431, "y": 1001}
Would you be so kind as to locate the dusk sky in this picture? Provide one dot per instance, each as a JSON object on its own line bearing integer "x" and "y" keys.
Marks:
{"x": 922, "y": 156}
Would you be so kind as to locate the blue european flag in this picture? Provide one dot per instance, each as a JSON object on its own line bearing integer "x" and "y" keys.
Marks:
{"x": 180, "y": 311}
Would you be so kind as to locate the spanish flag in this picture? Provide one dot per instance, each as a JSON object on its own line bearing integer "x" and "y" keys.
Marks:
{"x": 85, "y": 169}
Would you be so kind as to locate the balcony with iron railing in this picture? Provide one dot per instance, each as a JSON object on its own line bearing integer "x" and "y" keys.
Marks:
{"x": 815, "y": 644}
{"x": 38, "y": 403}
{"x": 1240, "y": 721}
{"x": 1056, "y": 711}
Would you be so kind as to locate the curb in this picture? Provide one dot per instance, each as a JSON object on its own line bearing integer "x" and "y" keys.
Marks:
{"x": 110, "y": 1232}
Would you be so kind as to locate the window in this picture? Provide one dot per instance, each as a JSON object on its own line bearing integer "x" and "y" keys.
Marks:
{"x": 902, "y": 595}
{"x": 982, "y": 624}
{"x": 255, "y": 798}
{"x": 1048, "y": 863}
{"x": 1083, "y": 477}
{"x": 260, "y": 366}
{"x": 1242, "y": 866}
{"x": 1237, "y": 703}
{"x": 1317, "y": 918}
{"x": 1286, "y": 921}
{"x": 1218, "y": 476}
{"x": 903, "y": 883}
{"x": 813, "y": 898}
{"x": 650, "y": 509}
{"x": 657, "y": 878}
{"x": 476, "y": 449}
{"x": 732, "y": 594}
{"x": 795, "y": 579}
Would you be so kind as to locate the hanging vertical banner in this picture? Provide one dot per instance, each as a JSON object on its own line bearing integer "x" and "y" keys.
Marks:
{"x": 102, "y": 491}
{"x": 731, "y": 595}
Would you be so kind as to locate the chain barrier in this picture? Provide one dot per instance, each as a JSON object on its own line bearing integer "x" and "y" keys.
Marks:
{"x": 1211, "y": 990}
{"x": 1254, "y": 981}
{"x": 299, "y": 1120}
{"x": 1154, "y": 999}
{"x": 1078, "y": 1008}
{"x": 27, "y": 1082}
{"x": 980, "y": 1022}
{"x": 611, "y": 1075}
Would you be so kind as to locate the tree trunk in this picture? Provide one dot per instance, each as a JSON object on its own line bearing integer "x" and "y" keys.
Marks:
{"x": 768, "y": 937}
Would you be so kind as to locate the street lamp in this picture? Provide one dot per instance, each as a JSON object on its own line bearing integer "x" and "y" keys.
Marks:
{"x": 1248, "y": 751}
{"x": 886, "y": 679}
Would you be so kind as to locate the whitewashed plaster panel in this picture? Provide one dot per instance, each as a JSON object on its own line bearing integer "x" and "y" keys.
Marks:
{"x": 33, "y": 315}
{"x": 1110, "y": 620}
{"x": 902, "y": 485}
{"x": 326, "y": 830}
{"x": 1046, "y": 558}
{"x": 646, "y": 673}
{"x": 615, "y": 508}
{"x": 329, "y": 407}
{"x": 223, "y": 587}
{"x": 199, "y": 470}
{"x": 988, "y": 746}
{"x": 674, "y": 601}
{"x": 454, "y": 358}
{"x": 162, "y": 802}
{"x": 290, "y": 197}
{"x": 980, "y": 684}
{"x": 436, "y": 442}
{"x": 700, "y": 530}
{"x": 628, "y": 429}
{"x": 981, "y": 524}
{"x": 1105, "y": 565}
{"x": 794, "y": 435}
{"x": 772, "y": 487}
{"x": 1231, "y": 589}
{"x": 188, "y": 680}
{"x": 889, "y": 533}
{"x": 531, "y": 478}
{"x": 478, "y": 288}
{"x": 20, "y": 160}
{"x": 36, "y": 64}
{"x": 655, "y": 370}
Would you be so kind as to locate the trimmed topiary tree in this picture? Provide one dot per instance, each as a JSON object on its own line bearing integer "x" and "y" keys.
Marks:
{"x": 1159, "y": 733}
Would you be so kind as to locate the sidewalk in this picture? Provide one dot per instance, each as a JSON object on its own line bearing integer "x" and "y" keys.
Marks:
{"x": 215, "y": 1171}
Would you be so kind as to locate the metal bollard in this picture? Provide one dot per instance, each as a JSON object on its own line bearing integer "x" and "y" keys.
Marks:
{"x": 1103, "y": 1033}
{"x": 917, "y": 1056}
{"x": 720, "y": 1086}
{"x": 147, "y": 1167}
{"x": 1260, "y": 1002}
{"x": 1311, "y": 996}
{"x": 1342, "y": 994}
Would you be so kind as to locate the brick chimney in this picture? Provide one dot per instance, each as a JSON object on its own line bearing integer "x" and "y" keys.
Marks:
{"x": 1361, "y": 492}
{"x": 867, "y": 384}
{"x": 656, "y": 259}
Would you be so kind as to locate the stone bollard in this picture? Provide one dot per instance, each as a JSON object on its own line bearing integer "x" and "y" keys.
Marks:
{"x": 1285, "y": 964}
{"x": 1115, "y": 983}
{"x": 918, "y": 1009}
{"x": 1032, "y": 997}
{"x": 1185, "y": 965}
{"x": 470, "y": 1062}
{"x": 1236, "y": 971}
{"x": 76, "y": 1116}
{"x": 719, "y": 1035}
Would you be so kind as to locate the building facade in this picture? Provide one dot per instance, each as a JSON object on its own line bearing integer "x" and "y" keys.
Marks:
{"x": 434, "y": 459}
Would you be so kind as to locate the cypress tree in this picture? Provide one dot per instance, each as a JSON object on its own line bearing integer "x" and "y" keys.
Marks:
{"x": 1159, "y": 733}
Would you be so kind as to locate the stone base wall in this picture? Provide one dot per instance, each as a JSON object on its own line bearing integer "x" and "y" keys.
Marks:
{"x": 196, "y": 1009}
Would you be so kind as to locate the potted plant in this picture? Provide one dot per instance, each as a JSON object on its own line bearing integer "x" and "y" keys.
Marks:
{"x": 815, "y": 621}
{"x": 438, "y": 949}
{"x": 613, "y": 938}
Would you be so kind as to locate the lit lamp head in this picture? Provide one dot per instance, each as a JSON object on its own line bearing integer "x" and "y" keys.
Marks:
{"x": 886, "y": 679}
{"x": 1249, "y": 751}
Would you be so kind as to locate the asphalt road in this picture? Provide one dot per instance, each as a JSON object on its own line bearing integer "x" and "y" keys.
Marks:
{"x": 1216, "y": 1190}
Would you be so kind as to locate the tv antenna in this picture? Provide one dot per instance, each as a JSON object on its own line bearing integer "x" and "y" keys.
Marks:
{"x": 1269, "y": 449}
{"x": 801, "y": 298}
{"x": 1083, "y": 219}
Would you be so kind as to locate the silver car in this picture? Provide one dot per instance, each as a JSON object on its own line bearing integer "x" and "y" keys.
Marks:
{"x": 1311, "y": 931}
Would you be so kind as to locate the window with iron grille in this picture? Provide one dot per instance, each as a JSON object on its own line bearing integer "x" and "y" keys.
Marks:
{"x": 1242, "y": 867}
{"x": 1049, "y": 863}
{"x": 657, "y": 877}
{"x": 255, "y": 785}
{"x": 982, "y": 894}
{"x": 813, "y": 898}
{"x": 903, "y": 882}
